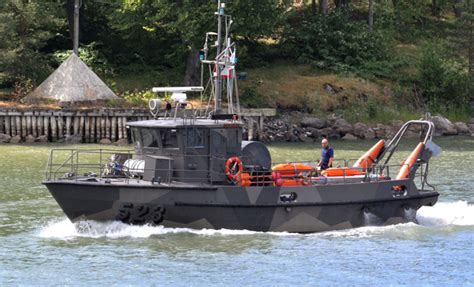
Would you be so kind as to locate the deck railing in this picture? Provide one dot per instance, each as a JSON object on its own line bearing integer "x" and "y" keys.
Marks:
{"x": 75, "y": 164}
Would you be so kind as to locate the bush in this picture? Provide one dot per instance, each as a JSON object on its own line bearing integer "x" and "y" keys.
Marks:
{"x": 139, "y": 98}
{"x": 334, "y": 41}
{"x": 250, "y": 98}
{"x": 444, "y": 83}
{"x": 91, "y": 55}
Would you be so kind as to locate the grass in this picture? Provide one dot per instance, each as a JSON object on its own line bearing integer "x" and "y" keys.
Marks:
{"x": 301, "y": 87}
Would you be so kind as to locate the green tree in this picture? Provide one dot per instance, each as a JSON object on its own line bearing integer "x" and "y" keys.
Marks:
{"x": 25, "y": 29}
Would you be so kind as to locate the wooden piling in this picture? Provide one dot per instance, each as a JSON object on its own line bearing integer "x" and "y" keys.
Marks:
{"x": 93, "y": 129}
{"x": 250, "y": 128}
{"x": 34, "y": 126}
{"x": 76, "y": 125}
{"x": 81, "y": 126}
{"x": 54, "y": 128}
{"x": 18, "y": 125}
{"x": 13, "y": 126}
{"x": 8, "y": 126}
{"x": 46, "y": 126}
{"x": 40, "y": 125}
{"x": 87, "y": 134}
{"x": 29, "y": 125}
{"x": 67, "y": 128}
{"x": 102, "y": 128}
{"x": 60, "y": 126}
{"x": 113, "y": 128}
{"x": 23, "y": 126}
{"x": 107, "y": 127}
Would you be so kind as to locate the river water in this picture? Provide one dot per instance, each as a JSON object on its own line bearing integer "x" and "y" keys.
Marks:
{"x": 39, "y": 246}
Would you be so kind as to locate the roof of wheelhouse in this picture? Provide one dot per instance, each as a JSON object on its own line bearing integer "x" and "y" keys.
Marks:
{"x": 180, "y": 122}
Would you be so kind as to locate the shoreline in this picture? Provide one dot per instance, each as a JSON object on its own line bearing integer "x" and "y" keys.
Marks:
{"x": 108, "y": 126}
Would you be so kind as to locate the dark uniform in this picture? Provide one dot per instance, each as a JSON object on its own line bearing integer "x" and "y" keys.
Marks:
{"x": 326, "y": 154}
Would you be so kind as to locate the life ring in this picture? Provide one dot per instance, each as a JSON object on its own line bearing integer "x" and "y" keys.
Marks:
{"x": 234, "y": 168}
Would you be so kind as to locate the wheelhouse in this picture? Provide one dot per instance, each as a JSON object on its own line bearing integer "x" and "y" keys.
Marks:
{"x": 195, "y": 151}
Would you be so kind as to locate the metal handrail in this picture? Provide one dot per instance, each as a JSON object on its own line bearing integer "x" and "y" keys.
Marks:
{"x": 74, "y": 166}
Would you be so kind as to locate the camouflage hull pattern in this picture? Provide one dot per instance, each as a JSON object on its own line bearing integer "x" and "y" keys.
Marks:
{"x": 301, "y": 209}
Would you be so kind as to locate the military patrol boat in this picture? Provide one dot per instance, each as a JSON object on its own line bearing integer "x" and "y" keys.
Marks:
{"x": 190, "y": 168}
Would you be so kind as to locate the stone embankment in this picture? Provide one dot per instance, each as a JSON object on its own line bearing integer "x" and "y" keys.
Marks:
{"x": 299, "y": 127}
{"x": 107, "y": 126}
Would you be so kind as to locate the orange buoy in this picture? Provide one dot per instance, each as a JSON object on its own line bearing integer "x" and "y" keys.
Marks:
{"x": 234, "y": 168}
{"x": 341, "y": 171}
{"x": 244, "y": 179}
{"x": 408, "y": 163}
{"x": 368, "y": 158}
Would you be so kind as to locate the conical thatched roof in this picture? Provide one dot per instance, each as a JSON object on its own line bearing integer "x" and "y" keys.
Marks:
{"x": 73, "y": 81}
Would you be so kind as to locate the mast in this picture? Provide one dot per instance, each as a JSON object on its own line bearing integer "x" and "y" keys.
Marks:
{"x": 218, "y": 81}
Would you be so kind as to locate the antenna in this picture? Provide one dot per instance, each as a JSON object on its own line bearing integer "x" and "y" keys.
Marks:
{"x": 218, "y": 99}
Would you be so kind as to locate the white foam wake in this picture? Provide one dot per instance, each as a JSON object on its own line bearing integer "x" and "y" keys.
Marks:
{"x": 443, "y": 213}
{"x": 447, "y": 213}
{"x": 65, "y": 229}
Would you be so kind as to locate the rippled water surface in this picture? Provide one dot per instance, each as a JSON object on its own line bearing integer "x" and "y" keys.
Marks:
{"x": 39, "y": 246}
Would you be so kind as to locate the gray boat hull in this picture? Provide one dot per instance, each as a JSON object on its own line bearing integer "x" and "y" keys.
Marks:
{"x": 300, "y": 209}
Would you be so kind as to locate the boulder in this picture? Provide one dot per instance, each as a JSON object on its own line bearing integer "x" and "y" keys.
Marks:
{"x": 443, "y": 126}
{"x": 350, "y": 137}
{"x": 30, "y": 139}
{"x": 342, "y": 126}
{"x": 16, "y": 139}
{"x": 363, "y": 131}
{"x": 380, "y": 131}
{"x": 313, "y": 122}
{"x": 73, "y": 139}
{"x": 471, "y": 127}
{"x": 304, "y": 138}
{"x": 462, "y": 128}
{"x": 105, "y": 141}
{"x": 313, "y": 132}
{"x": 396, "y": 124}
{"x": 4, "y": 138}
{"x": 42, "y": 139}
{"x": 330, "y": 133}
{"x": 123, "y": 142}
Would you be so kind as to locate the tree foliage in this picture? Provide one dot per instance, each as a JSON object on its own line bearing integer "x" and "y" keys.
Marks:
{"x": 25, "y": 30}
{"x": 160, "y": 38}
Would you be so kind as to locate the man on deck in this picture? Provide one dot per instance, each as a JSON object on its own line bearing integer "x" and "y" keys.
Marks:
{"x": 327, "y": 155}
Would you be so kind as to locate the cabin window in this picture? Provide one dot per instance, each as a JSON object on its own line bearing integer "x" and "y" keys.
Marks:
{"x": 149, "y": 137}
{"x": 194, "y": 138}
{"x": 169, "y": 138}
{"x": 136, "y": 137}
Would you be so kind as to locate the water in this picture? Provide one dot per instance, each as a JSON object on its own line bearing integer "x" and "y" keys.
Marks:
{"x": 39, "y": 246}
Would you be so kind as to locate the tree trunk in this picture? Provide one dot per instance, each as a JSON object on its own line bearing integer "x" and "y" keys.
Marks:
{"x": 192, "y": 76}
{"x": 371, "y": 15}
{"x": 457, "y": 8}
{"x": 323, "y": 7}
{"x": 398, "y": 17}
{"x": 313, "y": 7}
{"x": 69, "y": 6}
{"x": 471, "y": 47}
{"x": 435, "y": 10}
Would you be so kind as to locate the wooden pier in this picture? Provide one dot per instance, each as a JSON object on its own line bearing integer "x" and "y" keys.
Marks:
{"x": 92, "y": 126}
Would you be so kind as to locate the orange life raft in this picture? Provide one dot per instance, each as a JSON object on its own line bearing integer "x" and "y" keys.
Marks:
{"x": 368, "y": 158}
{"x": 292, "y": 169}
{"x": 284, "y": 174}
{"x": 360, "y": 166}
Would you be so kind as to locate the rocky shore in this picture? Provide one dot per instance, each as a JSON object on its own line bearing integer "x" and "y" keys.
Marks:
{"x": 300, "y": 127}
{"x": 295, "y": 127}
